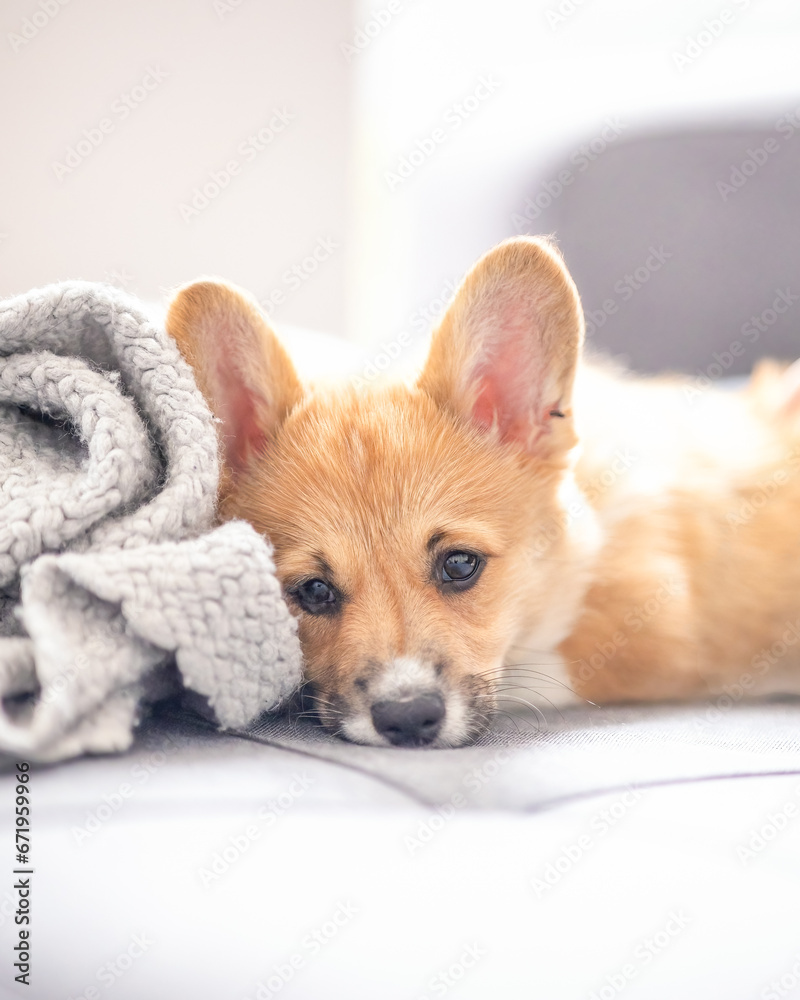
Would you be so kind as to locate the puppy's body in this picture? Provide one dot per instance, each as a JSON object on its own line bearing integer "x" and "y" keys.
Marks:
{"x": 511, "y": 508}
{"x": 697, "y": 493}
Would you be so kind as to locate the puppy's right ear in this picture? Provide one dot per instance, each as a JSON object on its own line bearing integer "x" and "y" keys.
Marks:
{"x": 505, "y": 354}
{"x": 241, "y": 368}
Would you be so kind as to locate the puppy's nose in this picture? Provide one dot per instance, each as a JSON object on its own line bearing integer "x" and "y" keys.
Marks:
{"x": 412, "y": 722}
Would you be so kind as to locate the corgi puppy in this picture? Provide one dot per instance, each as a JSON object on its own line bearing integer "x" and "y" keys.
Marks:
{"x": 519, "y": 523}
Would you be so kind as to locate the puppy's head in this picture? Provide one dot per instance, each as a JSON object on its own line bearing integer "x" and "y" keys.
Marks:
{"x": 408, "y": 523}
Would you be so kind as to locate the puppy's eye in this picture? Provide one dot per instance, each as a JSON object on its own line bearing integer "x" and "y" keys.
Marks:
{"x": 315, "y": 596}
{"x": 459, "y": 567}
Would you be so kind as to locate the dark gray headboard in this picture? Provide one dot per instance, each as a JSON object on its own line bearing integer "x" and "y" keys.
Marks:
{"x": 725, "y": 204}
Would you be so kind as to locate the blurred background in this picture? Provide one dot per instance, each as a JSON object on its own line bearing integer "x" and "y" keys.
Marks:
{"x": 346, "y": 161}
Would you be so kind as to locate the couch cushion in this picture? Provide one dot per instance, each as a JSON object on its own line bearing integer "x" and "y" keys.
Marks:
{"x": 209, "y": 866}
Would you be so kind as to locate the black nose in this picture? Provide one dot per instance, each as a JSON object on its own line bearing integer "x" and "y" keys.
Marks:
{"x": 412, "y": 722}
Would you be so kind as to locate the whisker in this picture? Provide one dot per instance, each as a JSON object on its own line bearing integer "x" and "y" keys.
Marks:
{"x": 523, "y": 670}
{"x": 518, "y": 720}
{"x": 512, "y": 718}
{"x": 528, "y": 649}
{"x": 533, "y": 708}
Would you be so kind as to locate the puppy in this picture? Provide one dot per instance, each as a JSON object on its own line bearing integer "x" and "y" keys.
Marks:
{"x": 520, "y": 523}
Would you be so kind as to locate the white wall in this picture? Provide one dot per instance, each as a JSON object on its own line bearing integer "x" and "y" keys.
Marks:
{"x": 562, "y": 68}
{"x": 116, "y": 216}
{"x": 357, "y": 113}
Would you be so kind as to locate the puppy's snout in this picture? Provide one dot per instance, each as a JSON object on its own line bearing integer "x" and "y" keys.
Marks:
{"x": 410, "y": 722}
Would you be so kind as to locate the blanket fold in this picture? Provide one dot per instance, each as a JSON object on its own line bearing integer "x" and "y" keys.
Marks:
{"x": 112, "y": 567}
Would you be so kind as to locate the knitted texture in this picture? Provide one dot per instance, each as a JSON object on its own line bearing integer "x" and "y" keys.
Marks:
{"x": 111, "y": 563}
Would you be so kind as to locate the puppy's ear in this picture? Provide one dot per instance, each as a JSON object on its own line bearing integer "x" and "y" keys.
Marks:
{"x": 241, "y": 369}
{"x": 504, "y": 356}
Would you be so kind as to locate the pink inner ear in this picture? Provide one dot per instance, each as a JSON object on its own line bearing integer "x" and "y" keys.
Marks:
{"x": 248, "y": 439}
{"x": 237, "y": 407}
{"x": 509, "y": 382}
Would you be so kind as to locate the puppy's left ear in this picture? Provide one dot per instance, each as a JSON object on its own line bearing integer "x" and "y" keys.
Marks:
{"x": 505, "y": 354}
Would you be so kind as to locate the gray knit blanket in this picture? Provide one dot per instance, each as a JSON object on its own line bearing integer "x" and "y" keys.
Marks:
{"x": 113, "y": 571}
